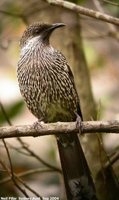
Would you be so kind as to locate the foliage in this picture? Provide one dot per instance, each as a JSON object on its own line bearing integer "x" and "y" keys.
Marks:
{"x": 12, "y": 111}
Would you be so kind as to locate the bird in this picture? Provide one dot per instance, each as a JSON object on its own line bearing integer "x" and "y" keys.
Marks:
{"x": 47, "y": 85}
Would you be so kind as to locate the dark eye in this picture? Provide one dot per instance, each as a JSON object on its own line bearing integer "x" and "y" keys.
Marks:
{"x": 37, "y": 31}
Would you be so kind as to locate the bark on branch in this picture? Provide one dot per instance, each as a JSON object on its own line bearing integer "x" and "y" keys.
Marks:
{"x": 85, "y": 11}
{"x": 59, "y": 127}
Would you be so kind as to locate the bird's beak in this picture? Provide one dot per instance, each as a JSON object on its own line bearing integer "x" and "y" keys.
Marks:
{"x": 57, "y": 25}
{"x": 49, "y": 30}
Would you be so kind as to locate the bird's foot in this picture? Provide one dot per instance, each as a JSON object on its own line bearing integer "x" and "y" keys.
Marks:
{"x": 79, "y": 123}
{"x": 38, "y": 124}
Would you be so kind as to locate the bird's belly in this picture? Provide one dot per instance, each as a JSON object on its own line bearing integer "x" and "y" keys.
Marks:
{"x": 44, "y": 107}
{"x": 58, "y": 112}
{"x": 49, "y": 100}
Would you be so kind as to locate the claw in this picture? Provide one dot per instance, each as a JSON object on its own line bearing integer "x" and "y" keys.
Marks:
{"x": 79, "y": 123}
{"x": 38, "y": 124}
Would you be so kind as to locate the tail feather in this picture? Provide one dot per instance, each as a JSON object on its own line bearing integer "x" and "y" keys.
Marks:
{"x": 77, "y": 176}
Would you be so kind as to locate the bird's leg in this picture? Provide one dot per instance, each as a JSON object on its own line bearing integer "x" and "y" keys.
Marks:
{"x": 79, "y": 123}
{"x": 38, "y": 124}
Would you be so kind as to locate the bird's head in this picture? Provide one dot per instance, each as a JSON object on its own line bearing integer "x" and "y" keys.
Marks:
{"x": 41, "y": 30}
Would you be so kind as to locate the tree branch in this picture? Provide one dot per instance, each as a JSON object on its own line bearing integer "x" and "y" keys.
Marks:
{"x": 111, "y": 3}
{"x": 27, "y": 173}
{"x": 59, "y": 127}
{"x": 85, "y": 11}
{"x": 15, "y": 183}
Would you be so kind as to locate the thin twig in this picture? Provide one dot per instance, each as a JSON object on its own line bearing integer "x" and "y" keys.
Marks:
{"x": 27, "y": 173}
{"x": 21, "y": 181}
{"x": 19, "y": 150}
{"x": 110, "y": 2}
{"x": 38, "y": 158}
{"x": 25, "y": 146}
{"x": 113, "y": 159}
{"x": 112, "y": 28}
{"x": 9, "y": 158}
{"x": 13, "y": 176}
{"x": 28, "y": 187}
{"x": 84, "y": 11}
{"x": 17, "y": 185}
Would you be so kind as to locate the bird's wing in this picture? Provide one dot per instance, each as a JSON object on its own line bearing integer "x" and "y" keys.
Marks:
{"x": 78, "y": 103}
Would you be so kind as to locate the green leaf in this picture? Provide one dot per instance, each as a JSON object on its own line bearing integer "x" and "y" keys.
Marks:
{"x": 11, "y": 111}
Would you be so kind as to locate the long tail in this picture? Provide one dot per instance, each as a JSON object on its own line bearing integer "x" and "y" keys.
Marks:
{"x": 77, "y": 177}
